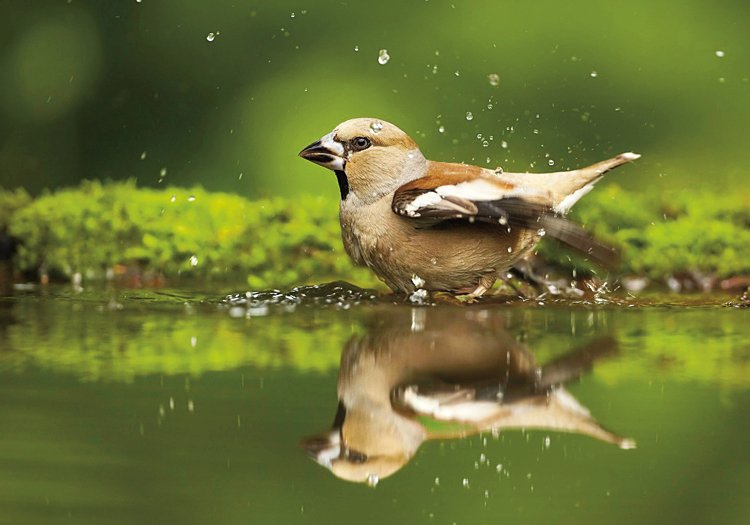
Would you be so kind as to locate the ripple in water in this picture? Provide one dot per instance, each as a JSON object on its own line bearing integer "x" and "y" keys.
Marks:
{"x": 338, "y": 294}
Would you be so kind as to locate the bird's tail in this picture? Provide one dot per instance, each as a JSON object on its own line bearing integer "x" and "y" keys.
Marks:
{"x": 570, "y": 186}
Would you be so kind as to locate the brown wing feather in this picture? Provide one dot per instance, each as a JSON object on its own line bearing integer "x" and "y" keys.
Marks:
{"x": 433, "y": 208}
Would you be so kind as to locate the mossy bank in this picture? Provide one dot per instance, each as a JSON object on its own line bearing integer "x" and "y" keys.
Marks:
{"x": 98, "y": 229}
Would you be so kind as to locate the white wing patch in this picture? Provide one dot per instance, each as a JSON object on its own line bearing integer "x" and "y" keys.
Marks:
{"x": 474, "y": 190}
{"x": 423, "y": 201}
{"x": 563, "y": 207}
{"x": 477, "y": 190}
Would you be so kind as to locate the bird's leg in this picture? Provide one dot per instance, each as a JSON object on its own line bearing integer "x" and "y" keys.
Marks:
{"x": 485, "y": 283}
{"x": 479, "y": 291}
{"x": 541, "y": 285}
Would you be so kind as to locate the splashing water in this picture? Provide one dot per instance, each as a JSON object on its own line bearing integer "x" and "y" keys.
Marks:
{"x": 383, "y": 57}
{"x": 338, "y": 294}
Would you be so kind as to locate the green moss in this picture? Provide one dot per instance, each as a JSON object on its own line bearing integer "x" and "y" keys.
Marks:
{"x": 280, "y": 243}
{"x": 10, "y": 203}
{"x": 183, "y": 232}
{"x": 661, "y": 235}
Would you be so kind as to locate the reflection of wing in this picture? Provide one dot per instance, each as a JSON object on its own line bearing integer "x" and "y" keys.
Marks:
{"x": 571, "y": 365}
{"x": 535, "y": 400}
{"x": 449, "y": 410}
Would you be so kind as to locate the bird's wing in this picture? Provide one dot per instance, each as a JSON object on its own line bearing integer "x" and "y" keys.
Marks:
{"x": 467, "y": 193}
{"x": 446, "y": 410}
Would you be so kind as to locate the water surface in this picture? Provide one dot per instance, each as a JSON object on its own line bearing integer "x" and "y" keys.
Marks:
{"x": 141, "y": 406}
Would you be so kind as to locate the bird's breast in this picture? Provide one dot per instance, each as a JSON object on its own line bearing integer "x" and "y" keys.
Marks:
{"x": 407, "y": 256}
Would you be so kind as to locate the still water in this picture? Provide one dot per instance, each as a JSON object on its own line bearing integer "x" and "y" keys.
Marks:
{"x": 174, "y": 407}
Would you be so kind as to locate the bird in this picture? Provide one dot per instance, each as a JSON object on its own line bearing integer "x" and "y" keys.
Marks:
{"x": 444, "y": 226}
{"x": 439, "y": 374}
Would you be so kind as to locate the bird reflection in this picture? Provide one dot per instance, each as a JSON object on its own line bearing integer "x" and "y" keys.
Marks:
{"x": 443, "y": 374}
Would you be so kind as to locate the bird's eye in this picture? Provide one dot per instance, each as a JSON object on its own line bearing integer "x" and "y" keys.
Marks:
{"x": 356, "y": 457}
{"x": 360, "y": 143}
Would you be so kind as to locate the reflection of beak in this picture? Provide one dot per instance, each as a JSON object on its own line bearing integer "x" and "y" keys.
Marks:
{"x": 323, "y": 448}
{"x": 327, "y": 152}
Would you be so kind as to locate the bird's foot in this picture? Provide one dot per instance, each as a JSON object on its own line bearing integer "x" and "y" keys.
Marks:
{"x": 448, "y": 298}
{"x": 473, "y": 297}
{"x": 530, "y": 285}
{"x": 460, "y": 299}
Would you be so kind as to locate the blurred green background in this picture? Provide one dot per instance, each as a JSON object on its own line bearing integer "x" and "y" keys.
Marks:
{"x": 140, "y": 89}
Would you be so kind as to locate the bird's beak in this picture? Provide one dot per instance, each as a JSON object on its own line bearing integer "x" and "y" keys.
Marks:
{"x": 327, "y": 152}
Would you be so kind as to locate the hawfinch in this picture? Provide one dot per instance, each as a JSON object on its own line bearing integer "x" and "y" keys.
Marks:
{"x": 443, "y": 375}
{"x": 443, "y": 226}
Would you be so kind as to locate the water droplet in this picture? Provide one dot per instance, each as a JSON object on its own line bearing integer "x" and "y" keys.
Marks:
{"x": 485, "y": 143}
{"x": 720, "y": 54}
{"x": 465, "y": 482}
{"x": 143, "y": 156}
{"x": 499, "y": 467}
{"x": 494, "y": 79}
{"x": 373, "y": 480}
{"x": 441, "y": 129}
{"x": 551, "y": 162}
{"x": 193, "y": 260}
{"x": 437, "y": 481}
{"x": 547, "y": 441}
{"x": 504, "y": 144}
{"x": 356, "y": 49}
{"x": 469, "y": 115}
{"x": 542, "y": 232}
{"x": 457, "y": 73}
{"x": 510, "y": 249}
{"x": 191, "y": 198}
{"x": 292, "y": 15}
{"x": 162, "y": 174}
{"x": 376, "y": 126}
{"x": 383, "y": 57}
{"x": 594, "y": 74}
{"x": 190, "y": 405}
{"x": 722, "y": 80}
{"x": 212, "y": 36}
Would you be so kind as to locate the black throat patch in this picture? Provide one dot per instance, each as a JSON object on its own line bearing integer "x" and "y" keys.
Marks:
{"x": 343, "y": 183}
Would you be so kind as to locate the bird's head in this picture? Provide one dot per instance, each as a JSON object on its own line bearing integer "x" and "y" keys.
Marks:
{"x": 370, "y": 157}
{"x": 367, "y": 443}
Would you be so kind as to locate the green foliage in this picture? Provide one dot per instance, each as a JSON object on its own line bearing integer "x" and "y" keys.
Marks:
{"x": 179, "y": 231}
{"x": 10, "y": 203}
{"x": 660, "y": 235}
{"x": 278, "y": 242}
